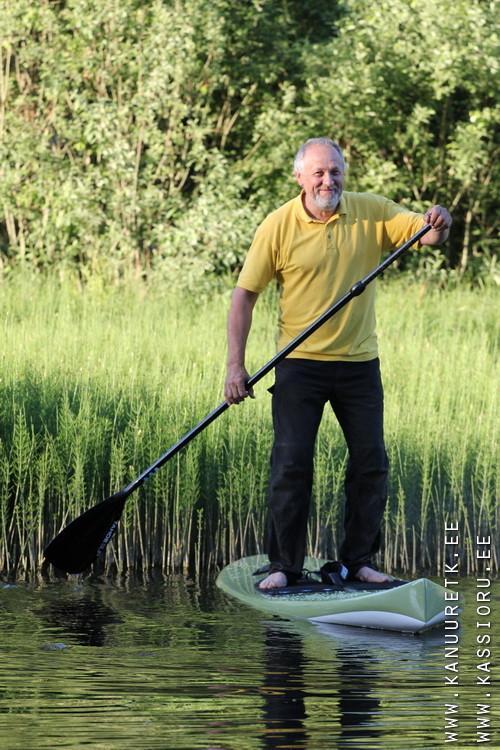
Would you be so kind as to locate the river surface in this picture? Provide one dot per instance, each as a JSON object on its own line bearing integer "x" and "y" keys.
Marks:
{"x": 105, "y": 665}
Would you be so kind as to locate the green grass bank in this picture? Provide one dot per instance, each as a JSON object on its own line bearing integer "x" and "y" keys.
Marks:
{"x": 96, "y": 384}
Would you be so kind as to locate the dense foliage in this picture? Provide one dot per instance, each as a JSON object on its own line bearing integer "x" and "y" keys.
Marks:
{"x": 154, "y": 135}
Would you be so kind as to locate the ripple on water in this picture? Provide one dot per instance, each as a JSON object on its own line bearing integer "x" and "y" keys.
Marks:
{"x": 167, "y": 665}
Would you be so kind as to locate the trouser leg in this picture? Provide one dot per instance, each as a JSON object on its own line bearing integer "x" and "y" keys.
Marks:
{"x": 297, "y": 410}
{"x": 358, "y": 406}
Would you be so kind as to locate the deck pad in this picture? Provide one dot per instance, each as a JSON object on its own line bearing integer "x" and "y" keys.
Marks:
{"x": 307, "y": 588}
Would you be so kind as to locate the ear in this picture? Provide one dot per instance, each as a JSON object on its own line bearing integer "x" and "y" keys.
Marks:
{"x": 298, "y": 178}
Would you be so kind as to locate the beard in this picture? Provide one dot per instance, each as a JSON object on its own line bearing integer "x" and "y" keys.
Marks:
{"x": 328, "y": 202}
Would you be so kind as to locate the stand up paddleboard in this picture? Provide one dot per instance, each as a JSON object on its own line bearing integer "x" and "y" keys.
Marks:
{"x": 408, "y": 607}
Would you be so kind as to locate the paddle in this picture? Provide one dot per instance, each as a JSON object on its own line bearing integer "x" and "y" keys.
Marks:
{"x": 75, "y": 548}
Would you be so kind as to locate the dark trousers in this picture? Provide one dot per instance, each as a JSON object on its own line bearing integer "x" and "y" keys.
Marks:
{"x": 354, "y": 391}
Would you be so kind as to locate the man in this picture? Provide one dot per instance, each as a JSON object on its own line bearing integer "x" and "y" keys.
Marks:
{"x": 317, "y": 246}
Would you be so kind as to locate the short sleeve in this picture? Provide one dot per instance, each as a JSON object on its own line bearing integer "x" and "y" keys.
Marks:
{"x": 399, "y": 224}
{"x": 259, "y": 267}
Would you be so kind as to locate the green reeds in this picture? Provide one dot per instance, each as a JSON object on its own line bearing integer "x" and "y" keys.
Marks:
{"x": 96, "y": 384}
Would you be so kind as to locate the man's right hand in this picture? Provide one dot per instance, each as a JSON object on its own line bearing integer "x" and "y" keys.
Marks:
{"x": 238, "y": 327}
{"x": 235, "y": 388}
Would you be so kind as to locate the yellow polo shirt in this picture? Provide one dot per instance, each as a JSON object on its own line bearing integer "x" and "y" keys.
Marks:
{"x": 315, "y": 263}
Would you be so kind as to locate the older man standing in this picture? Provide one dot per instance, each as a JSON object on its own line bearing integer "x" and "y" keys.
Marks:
{"x": 317, "y": 245}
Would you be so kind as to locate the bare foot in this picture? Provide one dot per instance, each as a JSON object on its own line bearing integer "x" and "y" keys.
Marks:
{"x": 368, "y": 575}
{"x": 273, "y": 581}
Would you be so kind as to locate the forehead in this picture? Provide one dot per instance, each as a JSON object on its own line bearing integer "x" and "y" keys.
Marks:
{"x": 321, "y": 156}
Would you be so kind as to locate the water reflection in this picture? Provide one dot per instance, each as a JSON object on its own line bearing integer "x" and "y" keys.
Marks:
{"x": 82, "y": 614}
{"x": 283, "y": 690}
{"x": 357, "y": 702}
{"x": 349, "y": 700}
{"x": 167, "y": 665}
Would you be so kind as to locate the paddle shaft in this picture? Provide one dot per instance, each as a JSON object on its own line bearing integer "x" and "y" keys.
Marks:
{"x": 357, "y": 289}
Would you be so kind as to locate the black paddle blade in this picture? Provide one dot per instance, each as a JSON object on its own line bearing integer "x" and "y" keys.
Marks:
{"x": 79, "y": 543}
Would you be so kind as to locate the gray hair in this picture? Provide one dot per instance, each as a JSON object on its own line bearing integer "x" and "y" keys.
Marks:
{"x": 298, "y": 162}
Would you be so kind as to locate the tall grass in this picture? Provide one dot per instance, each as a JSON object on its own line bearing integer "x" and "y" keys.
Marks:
{"x": 96, "y": 384}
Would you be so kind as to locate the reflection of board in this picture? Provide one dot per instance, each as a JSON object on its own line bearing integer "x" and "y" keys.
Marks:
{"x": 411, "y": 607}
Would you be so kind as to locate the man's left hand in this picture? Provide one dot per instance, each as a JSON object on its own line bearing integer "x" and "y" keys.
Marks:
{"x": 440, "y": 220}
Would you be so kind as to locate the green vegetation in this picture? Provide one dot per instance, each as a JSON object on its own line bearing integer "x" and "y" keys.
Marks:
{"x": 96, "y": 384}
{"x": 137, "y": 136}
{"x": 140, "y": 145}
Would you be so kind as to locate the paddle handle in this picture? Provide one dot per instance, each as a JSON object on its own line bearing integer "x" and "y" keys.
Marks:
{"x": 357, "y": 289}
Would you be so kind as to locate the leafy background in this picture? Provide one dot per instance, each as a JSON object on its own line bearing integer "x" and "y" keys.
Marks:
{"x": 151, "y": 137}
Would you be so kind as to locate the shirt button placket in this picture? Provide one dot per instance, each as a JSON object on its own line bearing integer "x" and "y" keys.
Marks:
{"x": 329, "y": 236}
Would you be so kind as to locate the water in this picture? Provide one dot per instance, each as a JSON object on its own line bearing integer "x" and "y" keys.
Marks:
{"x": 104, "y": 665}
